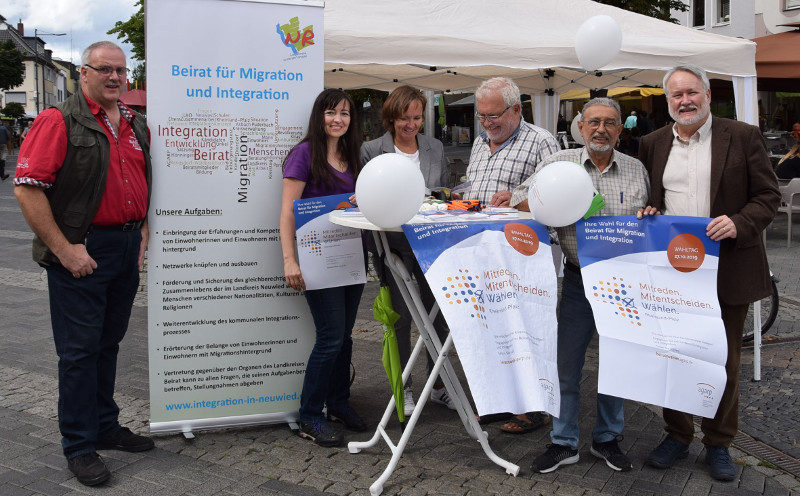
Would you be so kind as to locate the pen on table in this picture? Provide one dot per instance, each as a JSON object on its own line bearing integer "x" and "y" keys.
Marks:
{"x": 621, "y": 200}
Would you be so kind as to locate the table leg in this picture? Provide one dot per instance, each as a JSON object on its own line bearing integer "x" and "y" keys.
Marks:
{"x": 442, "y": 368}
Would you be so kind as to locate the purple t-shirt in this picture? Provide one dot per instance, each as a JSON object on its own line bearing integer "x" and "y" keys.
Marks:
{"x": 298, "y": 166}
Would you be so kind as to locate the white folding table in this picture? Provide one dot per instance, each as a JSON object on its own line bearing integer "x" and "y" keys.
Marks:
{"x": 442, "y": 368}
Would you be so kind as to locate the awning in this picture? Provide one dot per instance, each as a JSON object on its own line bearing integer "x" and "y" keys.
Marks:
{"x": 134, "y": 98}
{"x": 778, "y": 60}
{"x": 612, "y": 92}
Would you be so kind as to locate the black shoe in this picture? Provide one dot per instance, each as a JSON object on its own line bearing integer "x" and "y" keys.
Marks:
{"x": 321, "y": 433}
{"x": 89, "y": 469}
{"x": 610, "y": 452}
{"x": 666, "y": 453}
{"x": 720, "y": 464}
{"x": 555, "y": 456}
{"x": 125, "y": 440}
{"x": 4, "y": 177}
{"x": 348, "y": 417}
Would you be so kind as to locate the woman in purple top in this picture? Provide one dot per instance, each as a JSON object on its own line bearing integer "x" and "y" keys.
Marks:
{"x": 325, "y": 162}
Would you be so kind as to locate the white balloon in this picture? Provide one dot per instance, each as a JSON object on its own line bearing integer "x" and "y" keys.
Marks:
{"x": 560, "y": 194}
{"x": 597, "y": 41}
{"x": 574, "y": 131}
{"x": 390, "y": 190}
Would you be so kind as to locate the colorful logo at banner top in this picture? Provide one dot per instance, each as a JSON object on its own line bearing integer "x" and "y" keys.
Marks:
{"x": 616, "y": 292}
{"x": 686, "y": 252}
{"x": 310, "y": 241}
{"x": 522, "y": 238}
{"x": 462, "y": 289}
{"x": 293, "y": 37}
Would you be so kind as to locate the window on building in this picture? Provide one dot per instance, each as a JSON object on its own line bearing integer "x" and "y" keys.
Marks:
{"x": 792, "y": 4}
{"x": 723, "y": 11}
{"x": 15, "y": 96}
{"x": 698, "y": 13}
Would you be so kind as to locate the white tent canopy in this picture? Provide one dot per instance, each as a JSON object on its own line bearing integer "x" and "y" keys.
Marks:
{"x": 453, "y": 45}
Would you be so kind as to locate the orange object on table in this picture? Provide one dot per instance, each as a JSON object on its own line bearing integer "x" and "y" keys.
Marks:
{"x": 474, "y": 205}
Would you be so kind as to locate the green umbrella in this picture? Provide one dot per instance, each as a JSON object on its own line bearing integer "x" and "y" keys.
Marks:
{"x": 384, "y": 312}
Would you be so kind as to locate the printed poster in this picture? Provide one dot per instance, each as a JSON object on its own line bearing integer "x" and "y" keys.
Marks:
{"x": 329, "y": 255}
{"x": 652, "y": 284}
{"x": 496, "y": 286}
{"x": 230, "y": 89}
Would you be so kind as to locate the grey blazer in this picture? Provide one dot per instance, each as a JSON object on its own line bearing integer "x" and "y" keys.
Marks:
{"x": 431, "y": 157}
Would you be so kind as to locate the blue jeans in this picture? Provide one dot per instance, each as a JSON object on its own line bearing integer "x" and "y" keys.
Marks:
{"x": 575, "y": 330}
{"x": 327, "y": 378}
{"x": 90, "y": 316}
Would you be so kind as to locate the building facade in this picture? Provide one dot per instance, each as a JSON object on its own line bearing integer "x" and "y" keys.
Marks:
{"x": 47, "y": 81}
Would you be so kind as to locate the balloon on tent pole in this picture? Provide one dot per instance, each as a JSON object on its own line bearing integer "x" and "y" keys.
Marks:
{"x": 575, "y": 131}
{"x": 597, "y": 41}
{"x": 560, "y": 194}
{"x": 390, "y": 190}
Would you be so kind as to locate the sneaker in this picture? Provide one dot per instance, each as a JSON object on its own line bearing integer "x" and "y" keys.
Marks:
{"x": 408, "y": 407}
{"x": 125, "y": 440}
{"x": 321, "y": 433}
{"x": 555, "y": 456}
{"x": 610, "y": 452}
{"x": 720, "y": 464}
{"x": 440, "y": 396}
{"x": 348, "y": 417}
{"x": 666, "y": 453}
{"x": 89, "y": 469}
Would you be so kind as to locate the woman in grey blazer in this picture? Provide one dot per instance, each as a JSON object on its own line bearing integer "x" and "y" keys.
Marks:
{"x": 402, "y": 118}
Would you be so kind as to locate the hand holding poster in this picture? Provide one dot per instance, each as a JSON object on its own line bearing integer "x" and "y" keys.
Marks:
{"x": 329, "y": 255}
{"x": 496, "y": 286}
{"x": 652, "y": 284}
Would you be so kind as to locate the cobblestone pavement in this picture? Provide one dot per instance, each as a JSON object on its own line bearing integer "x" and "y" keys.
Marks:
{"x": 440, "y": 458}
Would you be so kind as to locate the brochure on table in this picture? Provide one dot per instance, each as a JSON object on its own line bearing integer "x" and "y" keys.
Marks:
{"x": 652, "y": 284}
{"x": 496, "y": 287}
{"x": 329, "y": 255}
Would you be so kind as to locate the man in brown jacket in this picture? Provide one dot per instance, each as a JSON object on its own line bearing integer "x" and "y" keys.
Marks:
{"x": 713, "y": 167}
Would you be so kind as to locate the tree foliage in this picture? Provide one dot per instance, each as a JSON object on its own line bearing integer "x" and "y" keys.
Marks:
{"x": 12, "y": 66}
{"x": 13, "y": 109}
{"x": 132, "y": 31}
{"x": 659, "y": 9}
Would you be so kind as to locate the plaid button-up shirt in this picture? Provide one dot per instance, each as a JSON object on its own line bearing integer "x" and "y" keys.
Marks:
{"x": 509, "y": 165}
{"x": 624, "y": 185}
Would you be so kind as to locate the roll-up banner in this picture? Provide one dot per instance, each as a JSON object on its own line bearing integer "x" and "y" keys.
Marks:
{"x": 230, "y": 88}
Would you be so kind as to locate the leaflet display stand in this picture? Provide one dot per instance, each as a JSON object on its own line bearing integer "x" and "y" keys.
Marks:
{"x": 442, "y": 368}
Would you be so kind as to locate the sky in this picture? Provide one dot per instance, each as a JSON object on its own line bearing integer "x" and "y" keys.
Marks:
{"x": 83, "y": 21}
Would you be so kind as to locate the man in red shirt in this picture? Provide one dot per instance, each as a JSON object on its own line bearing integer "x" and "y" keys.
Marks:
{"x": 83, "y": 182}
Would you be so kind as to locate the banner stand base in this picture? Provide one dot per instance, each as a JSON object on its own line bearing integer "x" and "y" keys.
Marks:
{"x": 189, "y": 427}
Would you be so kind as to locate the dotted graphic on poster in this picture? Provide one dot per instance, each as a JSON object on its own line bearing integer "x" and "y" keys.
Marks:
{"x": 462, "y": 290}
{"x": 310, "y": 241}
{"x": 616, "y": 292}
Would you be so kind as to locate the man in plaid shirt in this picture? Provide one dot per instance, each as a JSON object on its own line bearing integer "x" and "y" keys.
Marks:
{"x": 508, "y": 150}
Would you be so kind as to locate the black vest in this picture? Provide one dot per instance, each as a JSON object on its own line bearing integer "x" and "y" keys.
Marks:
{"x": 81, "y": 182}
